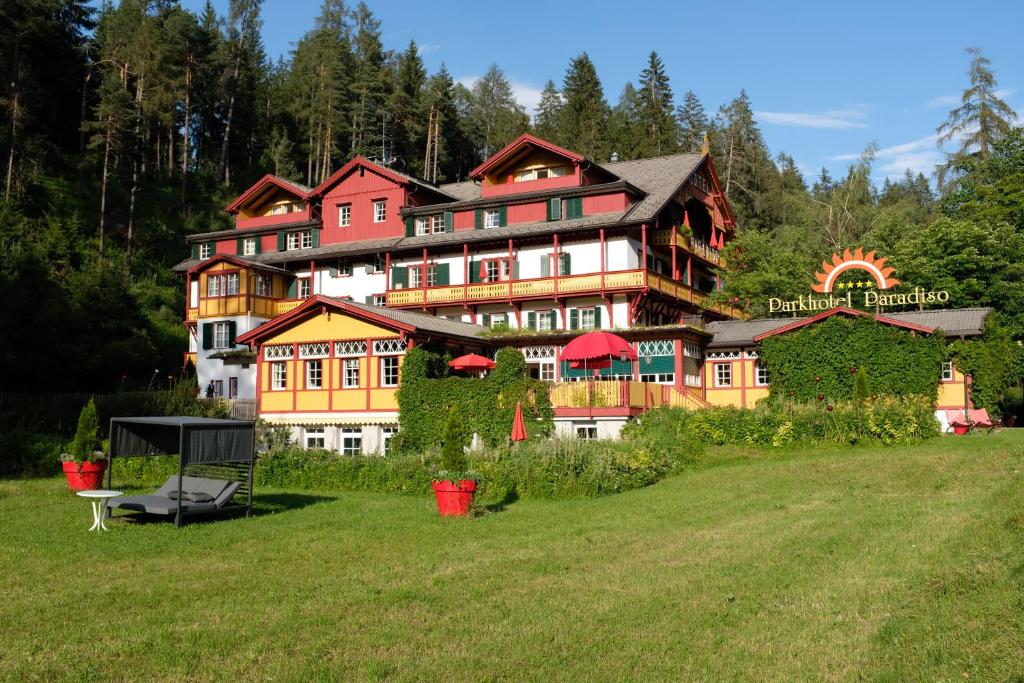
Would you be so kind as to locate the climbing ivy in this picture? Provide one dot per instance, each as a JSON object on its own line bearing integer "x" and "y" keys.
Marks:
{"x": 995, "y": 363}
{"x": 824, "y": 359}
{"x": 486, "y": 405}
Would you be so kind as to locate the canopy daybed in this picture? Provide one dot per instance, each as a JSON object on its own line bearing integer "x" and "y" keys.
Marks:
{"x": 215, "y": 463}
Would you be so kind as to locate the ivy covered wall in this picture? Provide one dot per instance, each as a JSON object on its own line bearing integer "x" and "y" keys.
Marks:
{"x": 486, "y": 406}
{"x": 822, "y": 359}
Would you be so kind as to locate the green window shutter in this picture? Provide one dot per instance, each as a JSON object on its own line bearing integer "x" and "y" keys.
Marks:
{"x": 555, "y": 209}
{"x": 545, "y": 265}
{"x": 281, "y": 241}
{"x": 315, "y": 238}
{"x": 369, "y": 300}
{"x": 399, "y": 276}
{"x": 574, "y": 207}
{"x": 231, "y": 332}
{"x": 579, "y": 207}
{"x": 195, "y": 250}
{"x": 474, "y": 272}
{"x": 478, "y": 219}
{"x": 597, "y": 317}
{"x": 238, "y": 246}
{"x": 574, "y": 319}
{"x": 515, "y": 270}
{"x": 293, "y": 289}
{"x": 554, "y": 319}
{"x": 410, "y": 226}
{"x": 207, "y": 336}
{"x": 502, "y": 216}
{"x": 531, "y": 320}
{"x": 259, "y": 244}
{"x": 441, "y": 276}
{"x": 564, "y": 265}
{"x": 486, "y": 319}
{"x": 449, "y": 221}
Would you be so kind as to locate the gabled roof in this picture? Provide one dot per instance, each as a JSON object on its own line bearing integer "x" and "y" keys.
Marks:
{"x": 661, "y": 178}
{"x": 235, "y": 260}
{"x": 392, "y": 175}
{"x": 300, "y": 191}
{"x": 403, "y": 321}
{"x": 963, "y": 322}
{"x": 513, "y": 148}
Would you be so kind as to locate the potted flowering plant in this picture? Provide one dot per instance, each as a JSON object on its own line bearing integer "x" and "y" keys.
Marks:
{"x": 455, "y": 484}
{"x": 85, "y": 462}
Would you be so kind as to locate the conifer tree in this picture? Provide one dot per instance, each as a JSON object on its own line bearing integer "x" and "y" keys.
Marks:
{"x": 243, "y": 41}
{"x": 449, "y": 152}
{"x": 370, "y": 86}
{"x": 625, "y": 131}
{"x": 980, "y": 121}
{"x": 656, "y": 109}
{"x": 494, "y": 116}
{"x": 406, "y": 109}
{"x": 583, "y": 125}
{"x": 549, "y": 111}
{"x": 693, "y": 123}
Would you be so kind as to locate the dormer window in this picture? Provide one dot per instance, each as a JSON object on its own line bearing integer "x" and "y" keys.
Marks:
{"x": 540, "y": 173}
{"x": 299, "y": 240}
{"x": 287, "y": 207}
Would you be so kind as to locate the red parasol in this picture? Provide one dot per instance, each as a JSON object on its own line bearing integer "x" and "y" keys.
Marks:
{"x": 471, "y": 362}
{"x": 596, "y": 349}
{"x": 518, "y": 424}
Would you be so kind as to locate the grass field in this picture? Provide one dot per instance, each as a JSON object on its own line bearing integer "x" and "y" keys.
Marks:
{"x": 856, "y": 564}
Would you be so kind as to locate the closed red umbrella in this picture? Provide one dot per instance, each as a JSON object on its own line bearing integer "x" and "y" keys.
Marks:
{"x": 518, "y": 424}
{"x": 471, "y": 361}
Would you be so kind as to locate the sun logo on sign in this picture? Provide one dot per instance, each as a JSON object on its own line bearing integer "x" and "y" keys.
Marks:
{"x": 875, "y": 267}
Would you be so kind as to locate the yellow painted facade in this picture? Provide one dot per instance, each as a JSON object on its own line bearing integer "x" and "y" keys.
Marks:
{"x": 331, "y": 327}
{"x": 277, "y": 201}
{"x": 245, "y": 301}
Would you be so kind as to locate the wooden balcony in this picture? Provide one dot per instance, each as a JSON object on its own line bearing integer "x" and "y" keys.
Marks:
{"x": 691, "y": 245}
{"x": 282, "y": 307}
{"x": 617, "y": 397}
{"x": 680, "y": 291}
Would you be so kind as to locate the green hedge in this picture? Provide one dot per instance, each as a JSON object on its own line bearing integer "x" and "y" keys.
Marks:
{"x": 996, "y": 365}
{"x": 823, "y": 359}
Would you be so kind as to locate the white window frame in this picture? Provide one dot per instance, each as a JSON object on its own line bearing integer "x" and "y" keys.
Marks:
{"x": 380, "y": 211}
{"x": 379, "y": 299}
{"x": 302, "y": 287}
{"x": 231, "y": 284}
{"x": 350, "y": 349}
{"x": 386, "y": 434}
{"x": 422, "y": 224}
{"x": 586, "y": 432}
{"x": 437, "y": 223}
{"x": 205, "y": 250}
{"x": 723, "y": 375}
{"x": 351, "y": 441}
{"x": 492, "y": 218}
{"x": 279, "y": 376}
{"x": 213, "y": 286}
{"x": 314, "y": 374}
{"x": 499, "y": 319}
{"x": 344, "y": 215}
{"x": 947, "y": 371}
{"x": 546, "y": 371}
{"x": 264, "y": 284}
{"x": 316, "y": 435}
{"x": 415, "y": 277}
{"x": 291, "y": 241}
{"x": 389, "y": 376}
{"x": 306, "y": 239}
{"x": 543, "y": 319}
{"x": 221, "y": 331}
{"x": 762, "y": 377}
{"x": 588, "y": 318}
{"x": 350, "y": 373}
{"x": 249, "y": 246}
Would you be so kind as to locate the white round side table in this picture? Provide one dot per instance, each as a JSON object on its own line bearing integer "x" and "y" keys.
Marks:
{"x": 98, "y": 499}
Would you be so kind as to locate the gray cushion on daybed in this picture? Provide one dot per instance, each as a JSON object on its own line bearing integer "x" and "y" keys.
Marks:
{"x": 158, "y": 503}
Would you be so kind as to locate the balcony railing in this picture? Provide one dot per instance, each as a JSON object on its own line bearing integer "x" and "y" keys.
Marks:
{"x": 621, "y": 394}
{"x": 282, "y": 307}
{"x": 683, "y": 292}
{"x": 689, "y": 244}
{"x": 516, "y": 289}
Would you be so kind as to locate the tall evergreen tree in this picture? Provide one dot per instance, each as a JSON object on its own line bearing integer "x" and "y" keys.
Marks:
{"x": 693, "y": 123}
{"x": 656, "y": 109}
{"x": 370, "y": 87}
{"x": 243, "y": 42}
{"x": 625, "y": 130}
{"x": 980, "y": 121}
{"x": 494, "y": 116}
{"x": 583, "y": 125}
{"x": 406, "y": 107}
{"x": 549, "y": 112}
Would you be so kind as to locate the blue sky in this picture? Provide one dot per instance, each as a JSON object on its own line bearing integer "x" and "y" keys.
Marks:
{"x": 825, "y": 79}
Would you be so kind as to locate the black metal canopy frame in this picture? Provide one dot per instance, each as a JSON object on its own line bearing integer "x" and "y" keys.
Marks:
{"x": 206, "y": 447}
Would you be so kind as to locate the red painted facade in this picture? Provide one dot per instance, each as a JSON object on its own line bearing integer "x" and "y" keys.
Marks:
{"x": 265, "y": 221}
{"x": 360, "y": 189}
{"x": 605, "y": 203}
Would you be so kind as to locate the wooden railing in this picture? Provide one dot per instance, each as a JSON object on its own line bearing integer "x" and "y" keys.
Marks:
{"x": 281, "y": 307}
{"x": 684, "y": 292}
{"x": 690, "y": 244}
{"x": 621, "y": 394}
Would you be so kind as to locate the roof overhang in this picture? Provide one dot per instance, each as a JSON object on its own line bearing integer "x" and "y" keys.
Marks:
{"x": 315, "y": 305}
{"x": 364, "y": 163}
{"x": 517, "y": 149}
{"x": 260, "y": 186}
{"x": 236, "y": 261}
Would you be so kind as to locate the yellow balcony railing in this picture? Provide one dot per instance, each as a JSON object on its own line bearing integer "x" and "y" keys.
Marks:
{"x": 193, "y": 314}
{"x": 282, "y": 307}
{"x": 621, "y": 394}
{"x": 683, "y": 292}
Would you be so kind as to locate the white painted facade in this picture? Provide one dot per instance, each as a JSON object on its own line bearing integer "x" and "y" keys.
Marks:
{"x": 213, "y": 369}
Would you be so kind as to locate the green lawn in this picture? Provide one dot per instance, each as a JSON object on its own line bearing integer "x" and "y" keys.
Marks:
{"x": 865, "y": 564}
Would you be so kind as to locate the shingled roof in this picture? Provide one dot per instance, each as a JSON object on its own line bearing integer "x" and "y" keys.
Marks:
{"x": 955, "y": 322}
{"x": 421, "y": 321}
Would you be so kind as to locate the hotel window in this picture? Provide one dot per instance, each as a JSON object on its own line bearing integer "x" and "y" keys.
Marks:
{"x": 422, "y": 226}
{"x": 379, "y": 299}
{"x": 232, "y": 387}
{"x": 213, "y": 285}
{"x": 761, "y": 375}
{"x": 544, "y": 320}
{"x": 231, "y": 287}
{"x": 375, "y": 264}
{"x": 588, "y": 318}
{"x": 586, "y": 432}
{"x": 723, "y": 374}
{"x": 540, "y": 173}
{"x": 205, "y": 250}
{"x": 248, "y": 246}
{"x": 221, "y": 335}
{"x": 351, "y": 441}
{"x": 380, "y": 211}
{"x": 278, "y": 376}
{"x": 415, "y": 276}
{"x": 546, "y": 372}
{"x": 302, "y": 287}
{"x": 498, "y": 320}
{"x": 947, "y": 371}
{"x": 350, "y": 376}
{"x": 264, "y": 285}
{"x": 292, "y": 241}
{"x": 492, "y": 218}
{"x": 344, "y": 268}
{"x": 314, "y": 437}
{"x": 389, "y": 371}
{"x": 496, "y": 270}
{"x": 437, "y": 223}
{"x": 659, "y": 378}
{"x": 387, "y": 433}
{"x": 306, "y": 239}
{"x": 314, "y": 374}
{"x": 218, "y": 388}
{"x": 344, "y": 215}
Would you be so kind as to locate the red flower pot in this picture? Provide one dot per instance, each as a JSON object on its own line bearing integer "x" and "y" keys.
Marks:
{"x": 960, "y": 429}
{"x": 85, "y": 476}
{"x": 454, "y": 499}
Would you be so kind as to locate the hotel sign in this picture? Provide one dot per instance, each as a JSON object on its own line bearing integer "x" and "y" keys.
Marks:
{"x": 871, "y": 292}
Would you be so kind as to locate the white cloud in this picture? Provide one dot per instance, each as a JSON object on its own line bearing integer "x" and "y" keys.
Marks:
{"x": 1003, "y": 93}
{"x": 428, "y": 48}
{"x": 835, "y": 119}
{"x": 525, "y": 94}
{"x": 942, "y": 101}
